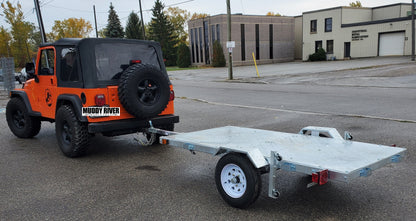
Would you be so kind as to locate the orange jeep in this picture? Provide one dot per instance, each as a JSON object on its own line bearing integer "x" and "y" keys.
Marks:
{"x": 88, "y": 86}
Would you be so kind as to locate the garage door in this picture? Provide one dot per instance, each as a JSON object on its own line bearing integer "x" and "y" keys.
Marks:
{"x": 391, "y": 44}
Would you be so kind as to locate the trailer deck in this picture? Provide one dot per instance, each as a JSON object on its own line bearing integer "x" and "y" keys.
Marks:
{"x": 317, "y": 151}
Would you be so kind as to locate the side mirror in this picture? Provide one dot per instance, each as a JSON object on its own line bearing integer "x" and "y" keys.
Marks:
{"x": 30, "y": 68}
{"x": 30, "y": 71}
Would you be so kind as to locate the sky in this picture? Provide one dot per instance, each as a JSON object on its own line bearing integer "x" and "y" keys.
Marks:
{"x": 62, "y": 9}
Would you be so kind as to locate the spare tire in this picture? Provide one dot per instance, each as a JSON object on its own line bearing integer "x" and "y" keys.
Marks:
{"x": 144, "y": 90}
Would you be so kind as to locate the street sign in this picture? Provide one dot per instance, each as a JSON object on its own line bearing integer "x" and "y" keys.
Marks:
{"x": 230, "y": 44}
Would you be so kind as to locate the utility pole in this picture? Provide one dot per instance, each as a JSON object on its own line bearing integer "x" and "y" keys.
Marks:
{"x": 413, "y": 30}
{"x": 230, "y": 57}
{"x": 95, "y": 20}
{"x": 141, "y": 17}
{"x": 40, "y": 21}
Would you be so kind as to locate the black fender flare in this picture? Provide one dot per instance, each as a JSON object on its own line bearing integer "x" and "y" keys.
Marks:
{"x": 22, "y": 95}
{"x": 76, "y": 103}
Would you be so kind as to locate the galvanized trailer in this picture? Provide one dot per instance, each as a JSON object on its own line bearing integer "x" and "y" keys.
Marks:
{"x": 317, "y": 151}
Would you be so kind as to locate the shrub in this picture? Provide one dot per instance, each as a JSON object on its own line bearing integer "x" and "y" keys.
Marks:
{"x": 320, "y": 55}
{"x": 184, "y": 56}
{"x": 218, "y": 59}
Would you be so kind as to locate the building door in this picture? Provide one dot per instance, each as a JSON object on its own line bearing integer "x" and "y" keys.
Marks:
{"x": 391, "y": 44}
{"x": 347, "y": 49}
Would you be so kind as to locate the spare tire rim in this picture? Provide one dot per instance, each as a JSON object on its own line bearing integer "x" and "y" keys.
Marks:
{"x": 148, "y": 92}
{"x": 233, "y": 181}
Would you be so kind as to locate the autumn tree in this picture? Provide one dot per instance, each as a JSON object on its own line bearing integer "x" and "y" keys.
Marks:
{"x": 113, "y": 28}
{"x": 5, "y": 39}
{"x": 198, "y": 16}
{"x": 356, "y": 4}
{"x": 179, "y": 17}
{"x": 134, "y": 27}
{"x": 20, "y": 32}
{"x": 273, "y": 14}
{"x": 162, "y": 31}
{"x": 71, "y": 28}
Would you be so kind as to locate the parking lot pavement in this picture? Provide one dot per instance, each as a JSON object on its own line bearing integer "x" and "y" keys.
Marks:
{"x": 287, "y": 69}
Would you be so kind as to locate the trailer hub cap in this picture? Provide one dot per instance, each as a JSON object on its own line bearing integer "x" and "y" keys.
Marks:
{"x": 233, "y": 180}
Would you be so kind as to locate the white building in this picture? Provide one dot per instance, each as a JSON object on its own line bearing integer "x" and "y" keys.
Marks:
{"x": 347, "y": 32}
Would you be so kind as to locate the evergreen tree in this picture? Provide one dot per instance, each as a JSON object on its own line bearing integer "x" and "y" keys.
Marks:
{"x": 162, "y": 31}
{"x": 113, "y": 29}
{"x": 218, "y": 59}
{"x": 134, "y": 27}
{"x": 184, "y": 56}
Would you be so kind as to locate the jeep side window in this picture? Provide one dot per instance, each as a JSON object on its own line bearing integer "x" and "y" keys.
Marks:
{"x": 47, "y": 64}
{"x": 69, "y": 65}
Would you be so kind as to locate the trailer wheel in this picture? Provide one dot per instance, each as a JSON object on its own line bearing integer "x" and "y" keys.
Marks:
{"x": 237, "y": 180}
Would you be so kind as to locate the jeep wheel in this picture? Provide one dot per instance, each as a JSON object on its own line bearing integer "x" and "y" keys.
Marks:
{"x": 72, "y": 135}
{"x": 20, "y": 123}
{"x": 144, "y": 90}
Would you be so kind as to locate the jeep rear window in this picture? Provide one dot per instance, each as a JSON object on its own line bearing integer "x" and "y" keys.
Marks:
{"x": 112, "y": 58}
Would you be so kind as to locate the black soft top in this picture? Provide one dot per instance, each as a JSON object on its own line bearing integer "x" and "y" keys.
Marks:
{"x": 97, "y": 57}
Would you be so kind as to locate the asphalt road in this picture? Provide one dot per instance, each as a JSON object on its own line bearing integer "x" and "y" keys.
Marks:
{"x": 121, "y": 180}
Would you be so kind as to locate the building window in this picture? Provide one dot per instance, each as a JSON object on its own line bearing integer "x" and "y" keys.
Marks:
{"x": 212, "y": 34}
{"x": 196, "y": 45}
{"x": 328, "y": 24}
{"x": 318, "y": 45}
{"x": 192, "y": 46}
{"x": 206, "y": 42}
{"x": 243, "y": 42}
{"x": 330, "y": 46}
{"x": 313, "y": 26}
{"x": 257, "y": 41}
{"x": 218, "y": 33}
{"x": 201, "y": 49}
{"x": 271, "y": 41}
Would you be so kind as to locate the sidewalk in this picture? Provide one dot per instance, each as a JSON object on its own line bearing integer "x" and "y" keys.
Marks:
{"x": 287, "y": 68}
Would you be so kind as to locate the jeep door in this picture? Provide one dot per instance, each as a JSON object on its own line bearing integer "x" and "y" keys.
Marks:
{"x": 46, "y": 82}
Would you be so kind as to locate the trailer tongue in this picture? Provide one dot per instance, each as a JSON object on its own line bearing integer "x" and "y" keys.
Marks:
{"x": 317, "y": 151}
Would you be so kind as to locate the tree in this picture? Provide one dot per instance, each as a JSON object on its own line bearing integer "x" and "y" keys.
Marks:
{"x": 113, "y": 28}
{"x": 218, "y": 59}
{"x": 356, "y": 4}
{"x": 273, "y": 14}
{"x": 71, "y": 28}
{"x": 184, "y": 56}
{"x": 20, "y": 33}
{"x": 134, "y": 27}
{"x": 162, "y": 31}
{"x": 179, "y": 17}
{"x": 5, "y": 39}
{"x": 198, "y": 16}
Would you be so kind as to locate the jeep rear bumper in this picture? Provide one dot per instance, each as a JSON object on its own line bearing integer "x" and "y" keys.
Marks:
{"x": 128, "y": 126}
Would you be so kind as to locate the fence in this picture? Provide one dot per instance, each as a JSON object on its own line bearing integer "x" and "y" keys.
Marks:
{"x": 7, "y": 77}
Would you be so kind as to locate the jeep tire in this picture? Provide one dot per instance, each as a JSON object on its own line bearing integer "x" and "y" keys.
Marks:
{"x": 72, "y": 135}
{"x": 20, "y": 122}
{"x": 144, "y": 90}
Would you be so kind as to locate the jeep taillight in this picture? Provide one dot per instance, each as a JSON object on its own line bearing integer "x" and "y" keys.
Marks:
{"x": 100, "y": 100}
{"x": 172, "y": 95}
{"x": 135, "y": 62}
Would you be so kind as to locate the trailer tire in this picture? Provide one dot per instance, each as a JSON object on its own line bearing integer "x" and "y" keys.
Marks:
{"x": 237, "y": 180}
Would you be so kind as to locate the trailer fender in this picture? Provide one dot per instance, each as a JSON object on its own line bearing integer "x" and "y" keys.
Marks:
{"x": 255, "y": 156}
